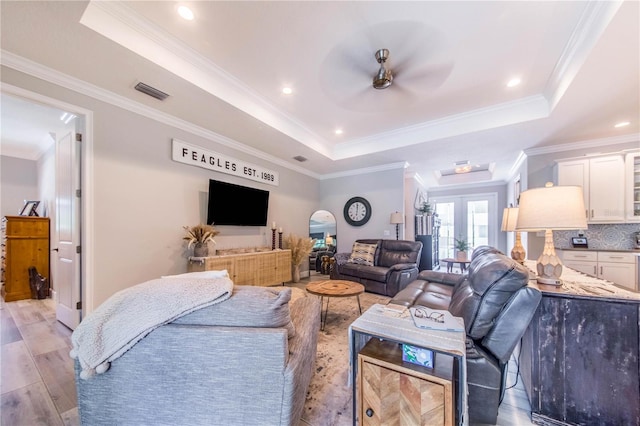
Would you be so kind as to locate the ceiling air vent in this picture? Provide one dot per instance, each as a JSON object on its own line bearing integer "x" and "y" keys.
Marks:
{"x": 300, "y": 158}
{"x": 151, "y": 91}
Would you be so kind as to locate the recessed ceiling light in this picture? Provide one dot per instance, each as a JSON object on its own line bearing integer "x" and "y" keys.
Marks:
{"x": 287, "y": 90}
{"x": 622, "y": 124}
{"x": 339, "y": 131}
{"x": 185, "y": 12}
{"x": 514, "y": 82}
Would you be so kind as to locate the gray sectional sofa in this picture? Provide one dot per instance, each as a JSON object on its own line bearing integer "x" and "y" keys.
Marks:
{"x": 245, "y": 361}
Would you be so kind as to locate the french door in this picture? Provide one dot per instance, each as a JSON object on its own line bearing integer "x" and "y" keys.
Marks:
{"x": 473, "y": 218}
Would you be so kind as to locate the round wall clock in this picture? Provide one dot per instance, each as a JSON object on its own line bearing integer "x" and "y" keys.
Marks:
{"x": 357, "y": 211}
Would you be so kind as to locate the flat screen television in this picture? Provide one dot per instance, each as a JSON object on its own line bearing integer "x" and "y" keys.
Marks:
{"x": 231, "y": 204}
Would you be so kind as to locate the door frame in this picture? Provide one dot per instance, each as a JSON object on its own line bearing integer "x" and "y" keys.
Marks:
{"x": 87, "y": 179}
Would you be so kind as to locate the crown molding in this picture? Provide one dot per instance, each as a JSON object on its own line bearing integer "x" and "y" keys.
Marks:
{"x": 365, "y": 170}
{"x": 55, "y": 77}
{"x": 124, "y": 26}
{"x": 591, "y": 143}
{"x": 594, "y": 20}
{"x": 515, "y": 168}
{"x": 504, "y": 114}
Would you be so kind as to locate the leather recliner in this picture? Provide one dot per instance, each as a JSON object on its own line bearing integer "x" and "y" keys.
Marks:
{"x": 395, "y": 264}
{"x": 497, "y": 306}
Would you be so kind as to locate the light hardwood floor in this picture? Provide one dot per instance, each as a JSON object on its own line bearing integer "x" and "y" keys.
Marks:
{"x": 37, "y": 381}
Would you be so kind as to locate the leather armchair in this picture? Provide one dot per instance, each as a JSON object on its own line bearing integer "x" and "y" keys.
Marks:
{"x": 497, "y": 306}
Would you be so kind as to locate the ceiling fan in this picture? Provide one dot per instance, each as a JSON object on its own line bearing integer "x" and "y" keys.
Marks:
{"x": 384, "y": 77}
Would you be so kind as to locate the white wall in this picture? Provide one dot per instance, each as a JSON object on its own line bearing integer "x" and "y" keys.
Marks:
{"x": 19, "y": 182}
{"x": 142, "y": 198}
{"x": 385, "y": 192}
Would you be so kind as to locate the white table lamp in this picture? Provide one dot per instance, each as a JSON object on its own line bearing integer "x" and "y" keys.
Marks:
{"x": 548, "y": 209}
{"x": 396, "y": 219}
{"x": 509, "y": 220}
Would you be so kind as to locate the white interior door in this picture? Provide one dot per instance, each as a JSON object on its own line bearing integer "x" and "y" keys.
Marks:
{"x": 67, "y": 279}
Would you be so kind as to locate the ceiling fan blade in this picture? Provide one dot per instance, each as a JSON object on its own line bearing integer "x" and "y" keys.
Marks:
{"x": 425, "y": 78}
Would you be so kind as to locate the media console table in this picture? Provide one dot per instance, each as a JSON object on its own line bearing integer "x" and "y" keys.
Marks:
{"x": 579, "y": 361}
{"x": 255, "y": 268}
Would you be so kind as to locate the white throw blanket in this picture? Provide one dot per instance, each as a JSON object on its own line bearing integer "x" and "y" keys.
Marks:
{"x": 130, "y": 314}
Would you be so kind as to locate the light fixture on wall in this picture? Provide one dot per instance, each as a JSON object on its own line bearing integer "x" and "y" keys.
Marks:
{"x": 397, "y": 219}
{"x": 548, "y": 209}
{"x": 509, "y": 221}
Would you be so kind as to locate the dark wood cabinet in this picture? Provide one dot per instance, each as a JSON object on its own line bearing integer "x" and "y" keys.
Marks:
{"x": 580, "y": 362}
{"x": 25, "y": 243}
{"x": 428, "y": 233}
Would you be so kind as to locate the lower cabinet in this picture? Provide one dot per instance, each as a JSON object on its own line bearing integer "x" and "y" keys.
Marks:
{"x": 260, "y": 268}
{"x": 393, "y": 392}
{"x": 617, "y": 267}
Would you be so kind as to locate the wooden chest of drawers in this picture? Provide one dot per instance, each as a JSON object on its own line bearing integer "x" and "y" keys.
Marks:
{"x": 25, "y": 243}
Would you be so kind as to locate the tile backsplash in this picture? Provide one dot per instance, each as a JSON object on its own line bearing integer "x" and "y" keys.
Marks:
{"x": 602, "y": 237}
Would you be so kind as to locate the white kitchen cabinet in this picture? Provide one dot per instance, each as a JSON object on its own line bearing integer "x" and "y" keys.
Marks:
{"x": 632, "y": 191}
{"x": 617, "y": 267}
{"x": 603, "y": 185}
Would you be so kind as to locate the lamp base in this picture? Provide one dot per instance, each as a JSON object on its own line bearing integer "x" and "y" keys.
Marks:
{"x": 549, "y": 266}
{"x": 549, "y": 281}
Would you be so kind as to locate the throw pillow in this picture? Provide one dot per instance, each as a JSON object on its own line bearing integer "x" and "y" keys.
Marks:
{"x": 363, "y": 254}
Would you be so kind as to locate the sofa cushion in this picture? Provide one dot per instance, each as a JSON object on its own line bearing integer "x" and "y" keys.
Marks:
{"x": 363, "y": 254}
{"x": 394, "y": 252}
{"x": 362, "y": 272}
{"x": 248, "y": 306}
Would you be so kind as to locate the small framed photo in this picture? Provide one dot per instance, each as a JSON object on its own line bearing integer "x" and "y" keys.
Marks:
{"x": 29, "y": 208}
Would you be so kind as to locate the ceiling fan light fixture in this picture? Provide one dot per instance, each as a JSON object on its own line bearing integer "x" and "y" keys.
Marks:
{"x": 384, "y": 77}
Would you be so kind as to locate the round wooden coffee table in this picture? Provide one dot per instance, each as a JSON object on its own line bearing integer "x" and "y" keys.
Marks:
{"x": 334, "y": 288}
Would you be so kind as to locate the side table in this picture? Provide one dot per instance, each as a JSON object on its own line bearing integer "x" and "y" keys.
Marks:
{"x": 463, "y": 264}
{"x": 394, "y": 329}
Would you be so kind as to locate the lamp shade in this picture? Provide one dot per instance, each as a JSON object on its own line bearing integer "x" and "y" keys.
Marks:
{"x": 553, "y": 208}
{"x": 509, "y": 219}
{"x": 397, "y": 218}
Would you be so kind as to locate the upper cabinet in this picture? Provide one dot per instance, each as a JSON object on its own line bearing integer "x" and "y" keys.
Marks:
{"x": 603, "y": 184}
{"x": 632, "y": 165}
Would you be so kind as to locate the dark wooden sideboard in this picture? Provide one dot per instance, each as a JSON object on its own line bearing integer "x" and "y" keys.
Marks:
{"x": 579, "y": 359}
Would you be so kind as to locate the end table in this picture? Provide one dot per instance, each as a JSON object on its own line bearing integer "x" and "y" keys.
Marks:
{"x": 392, "y": 329}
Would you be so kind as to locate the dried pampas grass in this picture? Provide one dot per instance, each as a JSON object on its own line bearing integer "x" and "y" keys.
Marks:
{"x": 300, "y": 247}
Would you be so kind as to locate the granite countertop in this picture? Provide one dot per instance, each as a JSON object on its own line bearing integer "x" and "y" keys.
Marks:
{"x": 576, "y": 283}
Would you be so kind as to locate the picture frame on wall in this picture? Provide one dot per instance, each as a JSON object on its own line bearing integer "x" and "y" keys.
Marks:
{"x": 29, "y": 208}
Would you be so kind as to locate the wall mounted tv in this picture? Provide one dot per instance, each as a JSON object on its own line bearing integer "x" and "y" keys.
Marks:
{"x": 231, "y": 204}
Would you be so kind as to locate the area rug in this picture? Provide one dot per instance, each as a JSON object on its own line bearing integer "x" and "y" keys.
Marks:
{"x": 329, "y": 399}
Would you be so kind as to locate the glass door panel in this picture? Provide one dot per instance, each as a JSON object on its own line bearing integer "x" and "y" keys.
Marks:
{"x": 446, "y": 213}
{"x": 473, "y": 218}
{"x": 477, "y": 222}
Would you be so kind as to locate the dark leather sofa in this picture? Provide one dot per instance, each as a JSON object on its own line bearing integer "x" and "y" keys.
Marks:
{"x": 497, "y": 306}
{"x": 395, "y": 265}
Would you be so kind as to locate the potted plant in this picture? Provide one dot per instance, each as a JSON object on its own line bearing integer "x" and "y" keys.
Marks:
{"x": 200, "y": 236}
{"x": 300, "y": 248}
{"x": 461, "y": 246}
{"x": 425, "y": 208}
